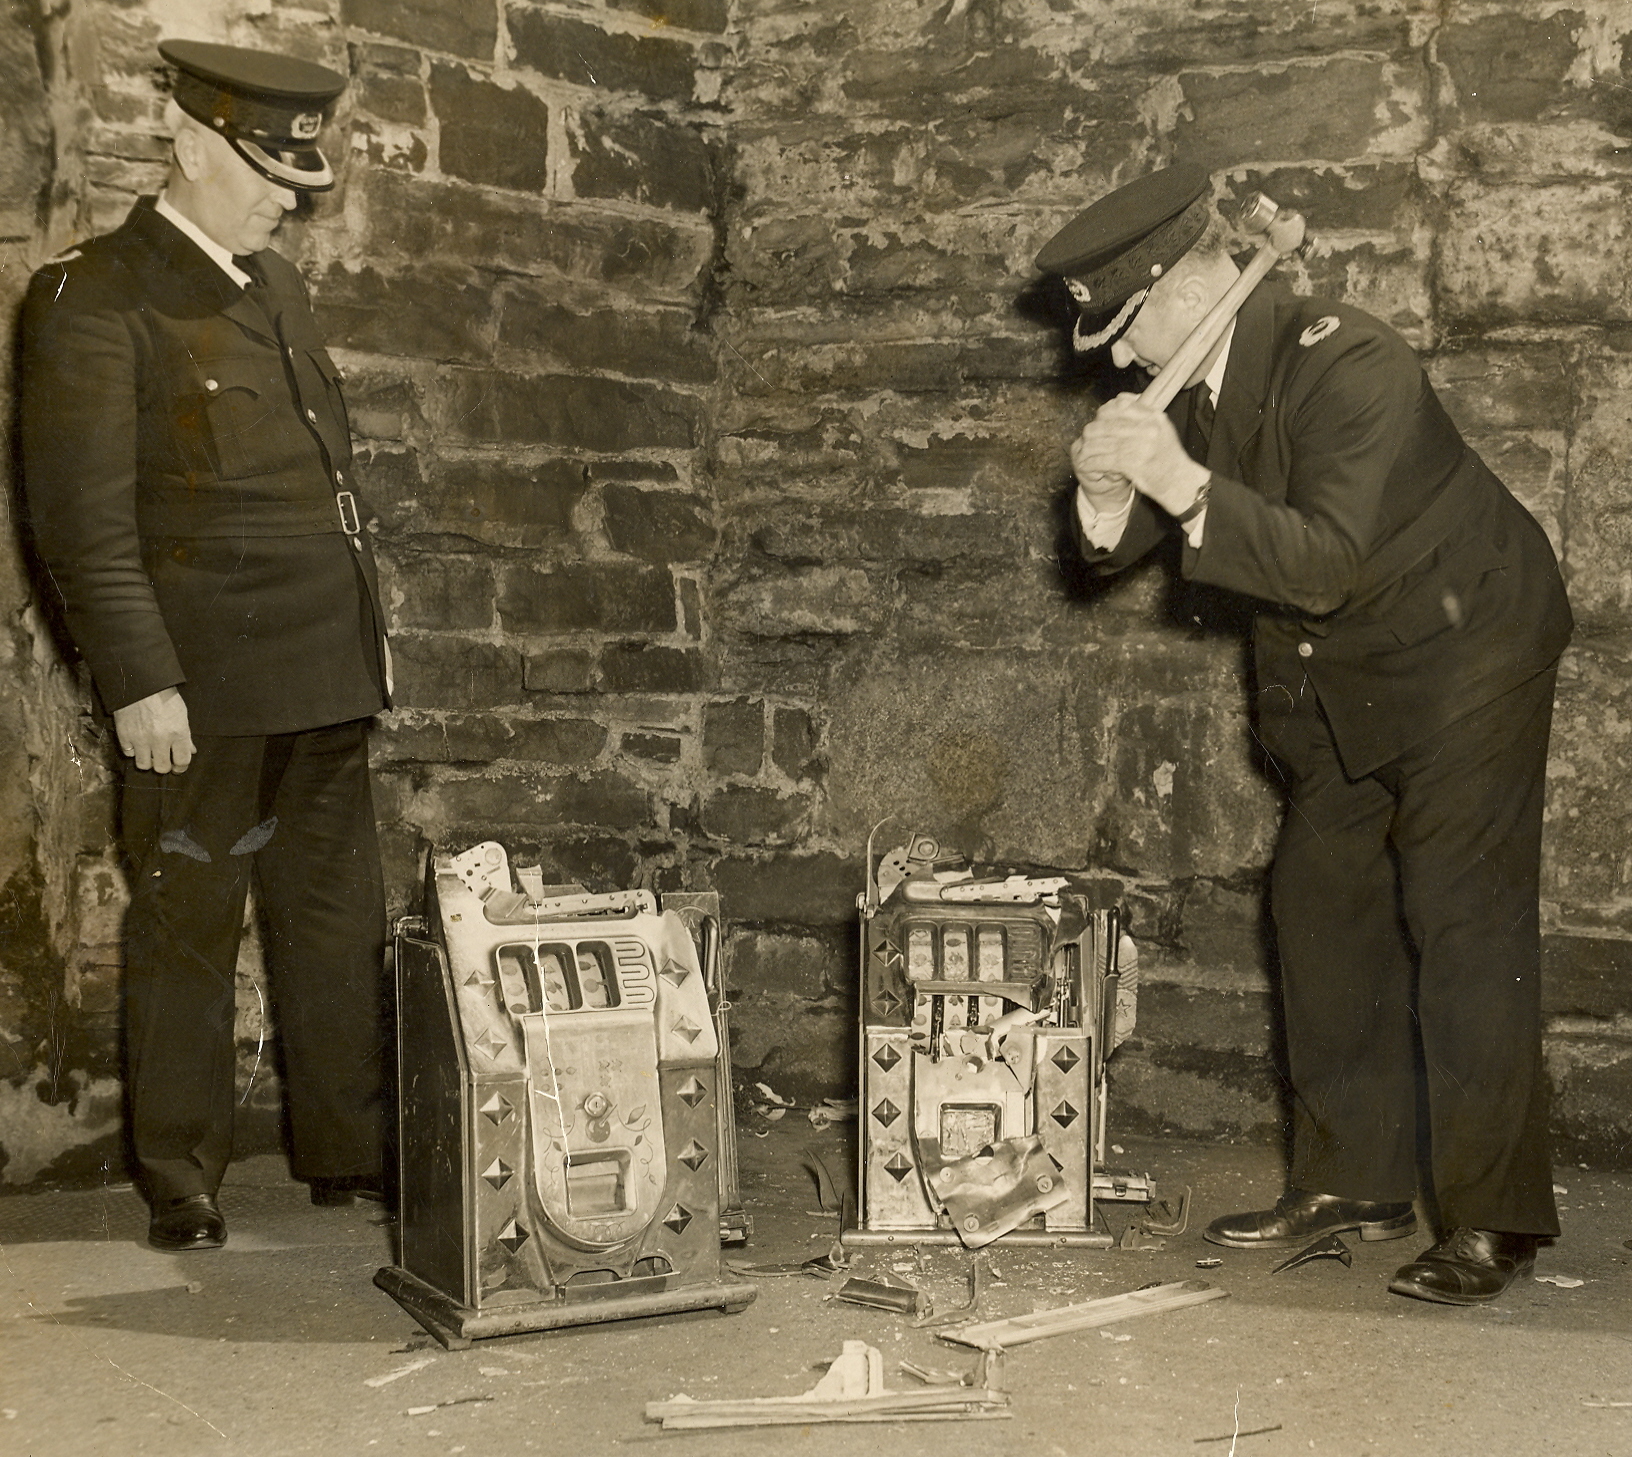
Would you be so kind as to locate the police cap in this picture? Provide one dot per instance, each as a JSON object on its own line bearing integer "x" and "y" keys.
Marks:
{"x": 269, "y": 107}
{"x": 1114, "y": 251}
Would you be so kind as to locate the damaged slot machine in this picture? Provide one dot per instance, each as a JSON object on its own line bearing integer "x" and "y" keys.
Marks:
{"x": 990, "y": 1003}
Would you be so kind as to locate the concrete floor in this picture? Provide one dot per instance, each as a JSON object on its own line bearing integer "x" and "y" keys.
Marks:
{"x": 280, "y": 1345}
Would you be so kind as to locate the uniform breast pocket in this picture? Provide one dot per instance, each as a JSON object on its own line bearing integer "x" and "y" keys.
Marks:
{"x": 332, "y": 377}
{"x": 231, "y": 410}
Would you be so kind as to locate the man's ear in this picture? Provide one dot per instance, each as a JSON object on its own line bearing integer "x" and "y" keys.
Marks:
{"x": 1193, "y": 294}
{"x": 189, "y": 153}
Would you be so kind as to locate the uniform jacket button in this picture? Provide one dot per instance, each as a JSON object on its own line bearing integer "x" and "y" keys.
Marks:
{"x": 312, "y": 416}
{"x": 212, "y": 385}
{"x": 1306, "y": 650}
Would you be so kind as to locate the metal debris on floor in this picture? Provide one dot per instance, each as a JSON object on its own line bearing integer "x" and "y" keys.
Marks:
{"x": 900, "y": 1296}
{"x": 834, "y": 1262}
{"x": 835, "y": 1190}
{"x": 980, "y": 1269}
{"x": 420, "y": 1411}
{"x": 1327, "y": 1247}
{"x": 833, "y": 1110}
{"x": 1018, "y": 1330}
{"x": 852, "y": 1391}
{"x": 1233, "y": 1437}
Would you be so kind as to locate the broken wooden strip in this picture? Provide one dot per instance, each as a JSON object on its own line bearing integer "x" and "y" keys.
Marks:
{"x": 928, "y": 1397}
{"x": 934, "y": 1403}
{"x": 1017, "y": 1330}
{"x": 680, "y": 1424}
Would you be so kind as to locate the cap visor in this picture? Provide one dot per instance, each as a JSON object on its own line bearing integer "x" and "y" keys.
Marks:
{"x": 1111, "y": 331}
{"x": 304, "y": 171}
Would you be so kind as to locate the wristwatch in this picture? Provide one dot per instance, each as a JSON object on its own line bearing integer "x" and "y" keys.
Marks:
{"x": 1197, "y": 506}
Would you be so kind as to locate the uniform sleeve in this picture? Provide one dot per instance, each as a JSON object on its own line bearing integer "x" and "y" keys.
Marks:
{"x": 1351, "y": 412}
{"x": 78, "y": 419}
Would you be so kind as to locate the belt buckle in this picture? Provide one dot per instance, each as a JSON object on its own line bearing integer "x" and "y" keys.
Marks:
{"x": 349, "y": 522}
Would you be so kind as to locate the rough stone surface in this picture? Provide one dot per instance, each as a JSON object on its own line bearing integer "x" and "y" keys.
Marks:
{"x": 734, "y": 736}
{"x": 588, "y": 55}
{"x": 603, "y": 597}
{"x": 494, "y": 135}
{"x": 642, "y": 159}
{"x": 660, "y": 526}
{"x": 643, "y": 667}
{"x": 468, "y": 30}
{"x": 704, "y": 15}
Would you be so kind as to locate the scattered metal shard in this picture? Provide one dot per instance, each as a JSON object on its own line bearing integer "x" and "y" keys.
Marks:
{"x": 1327, "y": 1247}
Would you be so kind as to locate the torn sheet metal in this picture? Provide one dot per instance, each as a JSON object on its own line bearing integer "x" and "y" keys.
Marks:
{"x": 979, "y": 1271}
{"x": 996, "y": 1189}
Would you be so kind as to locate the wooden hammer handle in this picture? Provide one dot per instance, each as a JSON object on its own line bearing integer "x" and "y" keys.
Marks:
{"x": 1175, "y": 375}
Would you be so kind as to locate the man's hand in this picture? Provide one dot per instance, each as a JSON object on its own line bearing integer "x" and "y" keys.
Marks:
{"x": 153, "y": 731}
{"x": 1128, "y": 441}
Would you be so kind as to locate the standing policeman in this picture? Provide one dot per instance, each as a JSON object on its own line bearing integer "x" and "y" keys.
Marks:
{"x": 187, "y": 463}
{"x": 1408, "y": 620}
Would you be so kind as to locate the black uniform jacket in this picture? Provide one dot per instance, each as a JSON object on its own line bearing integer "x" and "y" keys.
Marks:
{"x": 185, "y": 445}
{"x": 1400, "y": 585}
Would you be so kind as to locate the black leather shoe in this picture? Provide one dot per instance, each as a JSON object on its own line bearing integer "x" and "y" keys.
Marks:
{"x": 1298, "y": 1218}
{"x": 192, "y": 1222}
{"x": 1467, "y": 1267}
{"x": 332, "y": 1193}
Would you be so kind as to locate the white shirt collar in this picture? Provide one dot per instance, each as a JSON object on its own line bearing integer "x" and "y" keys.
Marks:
{"x": 213, "y": 249}
{"x": 1214, "y": 378}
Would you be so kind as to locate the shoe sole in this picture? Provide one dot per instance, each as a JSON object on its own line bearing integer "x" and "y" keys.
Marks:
{"x": 1376, "y": 1230}
{"x": 181, "y": 1247}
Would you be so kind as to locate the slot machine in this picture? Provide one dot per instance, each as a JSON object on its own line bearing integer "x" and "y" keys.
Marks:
{"x": 990, "y": 1002}
{"x": 567, "y": 1150}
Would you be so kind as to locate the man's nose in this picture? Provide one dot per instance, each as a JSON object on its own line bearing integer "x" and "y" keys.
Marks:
{"x": 285, "y": 198}
{"x": 1121, "y": 354}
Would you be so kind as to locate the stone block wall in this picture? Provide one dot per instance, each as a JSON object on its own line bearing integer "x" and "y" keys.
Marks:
{"x": 715, "y": 435}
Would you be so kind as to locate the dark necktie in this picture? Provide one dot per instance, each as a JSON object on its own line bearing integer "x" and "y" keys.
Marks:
{"x": 1200, "y": 433}
{"x": 255, "y": 289}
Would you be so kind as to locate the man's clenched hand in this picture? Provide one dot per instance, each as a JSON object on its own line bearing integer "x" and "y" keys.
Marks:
{"x": 154, "y": 732}
{"x": 1128, "y": 439}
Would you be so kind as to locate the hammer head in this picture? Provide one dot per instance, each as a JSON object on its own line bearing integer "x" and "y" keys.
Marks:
{"x": 1257, "y": 213}
{"x": 1281, "y": 228}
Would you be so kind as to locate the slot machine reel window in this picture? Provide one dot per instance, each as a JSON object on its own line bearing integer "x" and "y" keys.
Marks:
{"x": 550, "y": 976}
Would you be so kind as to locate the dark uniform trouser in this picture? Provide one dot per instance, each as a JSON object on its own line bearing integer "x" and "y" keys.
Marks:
{"x": 1409, "y": 899}
{"x": 297, "y": 810}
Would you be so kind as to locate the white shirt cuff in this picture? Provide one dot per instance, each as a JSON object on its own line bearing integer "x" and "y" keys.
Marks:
{"x": 1103, "y": 529}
